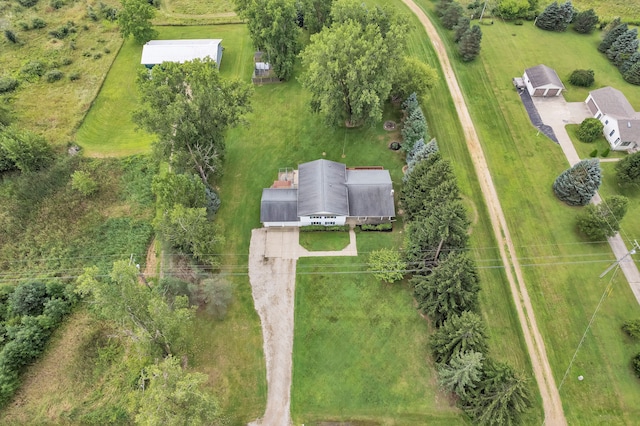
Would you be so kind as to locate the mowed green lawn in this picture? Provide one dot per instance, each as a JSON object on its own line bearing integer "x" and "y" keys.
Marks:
{"x": 561, "y": 268}
{"x": 108, "y": 129}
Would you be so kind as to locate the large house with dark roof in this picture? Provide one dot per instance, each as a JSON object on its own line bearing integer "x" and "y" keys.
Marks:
{"x": 324, "y": 192}
{"x": 542, "y": 81}
{"x": 621, "y": 122}
{"x": 155, "y": 52}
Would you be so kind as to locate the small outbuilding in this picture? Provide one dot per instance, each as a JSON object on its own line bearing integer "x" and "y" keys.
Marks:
{"x": 621, "y": 121}
{"x": 156, "y": 52}
{"x": 542, "y": 81}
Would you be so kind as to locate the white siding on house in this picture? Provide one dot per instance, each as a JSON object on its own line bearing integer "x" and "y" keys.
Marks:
{"x": 281, "y": 224}
{"x": 322, "y": 220}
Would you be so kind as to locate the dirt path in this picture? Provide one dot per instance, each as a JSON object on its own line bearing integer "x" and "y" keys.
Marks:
{"x": 552, "y": 405}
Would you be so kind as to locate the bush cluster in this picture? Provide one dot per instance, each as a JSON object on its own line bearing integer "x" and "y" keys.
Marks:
{"x": 620, "y": 45}
{"x": 64, "y": 30}
{"x": 582, "y": 78}
{"x": 8, "y": 84}
{"x": 385, "y": 227}
{"x": 446, "y": 288}
{"x": 29, "y": 314}
{"x": 316, "y": 228}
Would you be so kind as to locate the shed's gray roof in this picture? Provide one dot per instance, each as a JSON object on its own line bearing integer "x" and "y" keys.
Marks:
{"x": 322, "y": 188}
{"x": 279, "y": 205}
{"x": 158, "y": 51}
{"x": 370, "y": 193}
{"x": 613, "y": 102}
{"x": 541, "y": 75}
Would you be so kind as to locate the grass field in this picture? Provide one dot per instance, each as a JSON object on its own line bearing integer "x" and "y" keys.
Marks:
{"x": 561, "y": 269}
{"x": 321, "y": 241}
{"x": 197, "y": 7}
{"x": 56, "y": 109}
{"x": 108, "y": 128}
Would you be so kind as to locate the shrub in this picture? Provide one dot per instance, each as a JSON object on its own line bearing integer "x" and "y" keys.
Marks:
{"x": 24, "y": 26}
{"x": 67, "y": 61}
{"x": 74, "y": 76}
{"x": 632, "y": 328}
{"x": 590, "y": 129}
{"x": 28, "y": 298}
{"x": 316, "y": 228}
{"x": 518, "y": 22}
{"x": 33, "y": 69}
{"x": 594, "y": 153}
{"x": 8, "y": 84}
{"x": 54, "y": 75}
{"x": 64, "y": 30}
{"x": 9, "y": 35}
{"x": 628, "y": 170}
{"x": 606, "y": 152}
{"x": 56, "y": 4}
{"x": 387, "y": 265}
{"x": 636, "y": 364}
{"x": 82, "y": 182}
{"x": 213, "y": 200}
{"x": 97, "y": 55}
{"x": 92, "y": 14}
{"x": 37, "y": 23}
{"x": 28, "y": 3}
{"x": 107, "y": 50}
{"x": 214, "y": 294}
{"x": 385, "y": 227}
{"x": 600, "y": 221}
{"x": 582, "y": 78}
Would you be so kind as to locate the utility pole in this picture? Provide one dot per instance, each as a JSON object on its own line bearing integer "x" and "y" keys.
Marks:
{"x": 635, "y": 247}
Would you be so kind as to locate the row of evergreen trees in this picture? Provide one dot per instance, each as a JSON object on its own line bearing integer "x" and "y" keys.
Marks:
{"x": 468, "y": 37}
{"x": 620, "y": 44}
{"x": 557, "y": 17}
{"x": 446, "y": 287}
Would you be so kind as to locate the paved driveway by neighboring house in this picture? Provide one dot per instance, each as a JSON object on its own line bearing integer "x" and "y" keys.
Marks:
{"x": 557, "y": 113}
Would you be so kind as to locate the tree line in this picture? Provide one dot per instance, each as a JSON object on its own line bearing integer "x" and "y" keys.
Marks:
{"x": 467, "y": 37}
{"x": 446, "y": 284}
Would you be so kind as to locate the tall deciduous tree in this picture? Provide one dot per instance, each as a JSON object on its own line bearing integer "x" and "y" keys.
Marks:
{"x": 273, "y": 29}
{"x": 317, "y": 14}
{"x": 462, "y": 373}
{"x": 413, "y": 76}
{"x": 577, "y": 185}
{"x": 387, "y": 265}
{"x": 350, "y": 67}
{"x": 500, "y": 398}
{"x": 602, "y": 221}
{"x": 23, "y": 150}
{"x": 134, "y": 19}
{"x": 628, "y": 170}
{"x": 450, "y": 289}
{"x": 459, "y": 334}
{"x": 190, "y": 107}
{"x": 170, "y": 396}
{"x": 136, "y": 310}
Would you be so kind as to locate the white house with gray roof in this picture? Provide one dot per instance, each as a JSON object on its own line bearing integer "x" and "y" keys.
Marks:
{"x": 155, "y": 52}
{"x": 621, "y": 121}
{"x": 324, "y": 192}
{"x": 542, "y": 81}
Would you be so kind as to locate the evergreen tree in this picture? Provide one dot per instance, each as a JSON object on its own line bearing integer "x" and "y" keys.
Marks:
{"x": 462, "y": 373}
{"x": 451, "y": 287}
{"x": 500, "y": 398}
{"x": 459, "y": 334}
{"x": 577, "y": 185}
{"x": 632, "y": 76}
{"x": 566, "y": 13}
{"x": 602, "y": 221}
{"x": 628, "y": 170}
{"x": 414, "y": 129}
{"x": 549, "y": 18}
{"x": 410, "y": 104}
{"x": 442, "y": 6}
{"x": 461, "y": 27}
{"x": 626, "y": 66}
{"x": 611, "y": 36}
{"x": 624, "y": 46}
{"x": 469, "y": 45}
{"x": 585, "y": 22}
{"x": 420, "y": 151}
{"x": 452, "y": 15}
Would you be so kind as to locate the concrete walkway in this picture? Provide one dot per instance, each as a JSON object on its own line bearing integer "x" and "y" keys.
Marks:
{"x": 273, "y": 253}
{"x": 557, "y": 113}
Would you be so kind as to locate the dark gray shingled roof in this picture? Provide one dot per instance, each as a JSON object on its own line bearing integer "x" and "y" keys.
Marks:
{"x": 629, "y": 130}
{"x": 370, "y": 193}
{"x": 322, "y": 189}
{"x": 542, "y": 75}
{"x": 279, "y": 205}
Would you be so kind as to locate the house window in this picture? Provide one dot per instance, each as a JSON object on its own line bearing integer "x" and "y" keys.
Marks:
{"x": 316, "y": 223}
{"x": 627, "y": 143}
{"x": 612, "y": 132}
{"x": 606, "y": 121}
{"x": 330, "y": 223}
{"x": 599, "y": 115}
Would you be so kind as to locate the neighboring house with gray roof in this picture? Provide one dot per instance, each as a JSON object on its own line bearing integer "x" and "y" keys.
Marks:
{"x": 621, "y": 121}
{"x": 542, "y": 81}
{"x": 324, "y": 192}
{"x": 155, "y": 52}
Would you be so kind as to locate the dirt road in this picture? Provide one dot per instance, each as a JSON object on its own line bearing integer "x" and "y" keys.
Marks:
{"x": 551, "y": 402}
